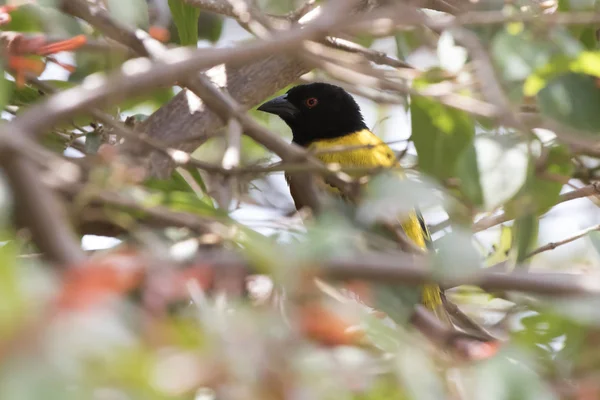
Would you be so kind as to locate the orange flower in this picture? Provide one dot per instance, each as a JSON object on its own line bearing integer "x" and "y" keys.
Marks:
{"x": 159, "y": 33}
{"x": 18, "y": 47}
{"x": 100, "y": 279}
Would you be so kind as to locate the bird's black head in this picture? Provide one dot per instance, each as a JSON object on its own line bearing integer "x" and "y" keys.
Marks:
{"x": 317, "y": 111}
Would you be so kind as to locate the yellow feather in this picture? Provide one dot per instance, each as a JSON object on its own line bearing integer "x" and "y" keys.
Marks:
{"x": 376, "y": 153}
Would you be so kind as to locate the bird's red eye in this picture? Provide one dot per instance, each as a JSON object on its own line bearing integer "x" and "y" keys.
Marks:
{"x": 311, "y": 102}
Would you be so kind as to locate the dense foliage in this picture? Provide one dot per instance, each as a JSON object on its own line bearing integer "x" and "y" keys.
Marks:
{"x": 150, "y": 248}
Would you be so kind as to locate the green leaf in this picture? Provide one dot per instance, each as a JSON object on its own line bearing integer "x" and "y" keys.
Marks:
{"x": 577, "y": 5}
{"x": 520, "y": 52}
{"x": 93, "y": 140}
{"x": 54, "y": 142}
{"x": 389, "y": 195}
{"x": 525, "y": 228}
{"x": 508, "y": 376}
{"x": 587, "y": 37}
{"x": 24, "y": 19}
{"x": 364, "y": 40}
{"x": 210, "y": 26}
{"x": 501, "y": 249}
{"x": 574, "y": 100}
{"x": 406, "y": 43}
{"x": 595, "y": 239}
{"x": 25, "y": 95}
{"x": 186, "y": 19}
{"x": 467, "y": 171}
{"x": 5, "y": 89}
{"x": 503, "y": 165}
{"x": 518, "y": 55}
{"x": 545, "y": 192}
{"x": 89, "y": 63}
{"x": 586, "y": 62}
{"x": 456, "y": 254}
{"x": 440, "y": 135}
{"x": 13, "y": 306}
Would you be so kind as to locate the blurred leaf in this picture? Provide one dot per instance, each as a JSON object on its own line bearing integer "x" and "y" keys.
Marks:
{"x": 519, "y": 54}
{"x": 407, "y": 42}
{"x": 383, "y": 389}
{"x": 154, "y": 100}
{"x": 525, "y": 229}
{"x": 586, "y": 62}
{"x": 24, "y": 19}
{"x": 572, "y": 99}
{"x": 595, "y": 239}
{"x": 364, "y": 40}
{"x": 133, "y": 13}
{"x": 22, "y": 96}
{"x": 467, "y": 171}
{"x": 576, "y": 311}
{"x": 396, "y": 301}
{"x": 587, "y": 37}
{"x": 93, "y": 140}
{"x": 57, "y": 23}
{"x": 54, "y": 142}
{"x": 178, "y": 200}
{"x": 576, "y": 5}
{"x": 456, "y": 254}
{"x": 88, "y": 63}
{"x": 546, "y": 192}
{"x": 13, "y": 304}
{"x": 502, "y": 162}
{"x": 186, "y": 19}
{"x": 210, "y": 26}
{"x": 501, "y": 249}
{"x": 5, "y": 88}
{"x": 25, "y": 95}
{"x": 509, "y": 376}
{"x": 176, "y": 183}
{"x": 440, "y": 134}
{"x": 389, "y": 197}
{"x": 333, "y": 235}
{"x": 417, "y": 372}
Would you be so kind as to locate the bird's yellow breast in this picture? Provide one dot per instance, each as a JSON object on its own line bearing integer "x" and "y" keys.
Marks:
{"x": 365, "y": 149}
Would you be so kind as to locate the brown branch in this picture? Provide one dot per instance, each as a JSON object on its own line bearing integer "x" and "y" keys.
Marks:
{"x": 402, "y": 270}
{"x": 140, "y": 76}
{"x": 553, "y": 245}
{"x": 375, "y": 56}
{"x": 226, "y": 107}
{"x": 40, "y": 211}
{"x": 586, "y": 191}
{"x": 156, "y": 214}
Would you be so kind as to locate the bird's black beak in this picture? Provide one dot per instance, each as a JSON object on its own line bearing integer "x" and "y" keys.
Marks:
{"x": 279, "y": 106}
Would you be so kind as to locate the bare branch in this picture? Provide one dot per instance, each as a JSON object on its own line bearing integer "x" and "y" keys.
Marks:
{"x": 402, "y": 270}
{"x": 40, "y": 211}
{"x": 589, "y": 190}
{"x": 553, "y": 245}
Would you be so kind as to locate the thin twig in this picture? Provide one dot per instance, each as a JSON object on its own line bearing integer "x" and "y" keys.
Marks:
{"x": 586, "y": 191}
{"x": 554, "y": 245}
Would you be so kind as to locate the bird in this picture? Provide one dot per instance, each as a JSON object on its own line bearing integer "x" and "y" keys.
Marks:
{"x": 321, "y": 116}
